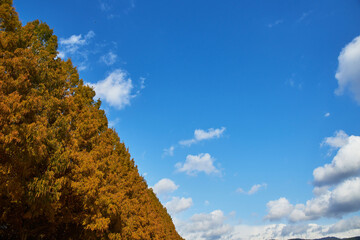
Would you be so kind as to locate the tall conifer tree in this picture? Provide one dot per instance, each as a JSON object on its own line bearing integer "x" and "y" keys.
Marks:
{"x": 64, "y": 174}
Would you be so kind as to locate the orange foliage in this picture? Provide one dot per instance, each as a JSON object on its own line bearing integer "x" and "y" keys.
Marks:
{"x": 63, "y": 173}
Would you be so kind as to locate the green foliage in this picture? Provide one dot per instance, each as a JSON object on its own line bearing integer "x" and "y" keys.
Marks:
{"x": 63, "y": 173}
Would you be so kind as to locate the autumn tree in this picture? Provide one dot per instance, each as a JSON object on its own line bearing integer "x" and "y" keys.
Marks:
{"x": 64, "y": 174}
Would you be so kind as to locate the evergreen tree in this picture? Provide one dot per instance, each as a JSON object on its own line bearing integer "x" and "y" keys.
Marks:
{"x": 64, "y": 174}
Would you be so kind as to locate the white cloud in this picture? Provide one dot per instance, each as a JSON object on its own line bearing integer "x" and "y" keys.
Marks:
{"x": 164, "y": 186}
{"x": 345, "y": 225}
{"x": 109, "y": 58}
{"x": 200, "y": 135}
{"x": 74, "y": 47}
{"x": 299, "y": 230}
{"x": 112, "y": 123}
{"x": 337, "y": 186}
{"x": 169, "y": 151}
{"x": 255, "y": 188}
{"x": 346, "y": 162}
{"x": 213, "y": 226}
{"x": 343, "y": 199}
{"x": 327, "y": 114}
{"x": 61, "y": 55}
{"x": 72, "y": 44}
{"x": 340, "y": 139}
{"x": 348, "y": 72}
{"x": 115, "y": 89}
{"x": 278, "y": 209}
{"x": 177, "y": 205}
{"x": 198, "y": 163}
{"x": 205, "y": 226}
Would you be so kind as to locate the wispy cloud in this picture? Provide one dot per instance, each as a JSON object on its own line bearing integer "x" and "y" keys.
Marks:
{"x": 294, "y": 82}
{"x": 112, "y": 123}
{"x": 255, "y": 188}
{"x": 327, "y": 114}
{"x": 304, "y": 15}
{"x": 74, "y": 42}
{"x": 105, "y": 5}
{"x": 109, "y": 58}
{"x": 277, "y": 22}
{"x": 112, "y": 7}
{"x": 200, "y": 135}
{"x": 74, "y": 47}
{"x": 142, "y": 82}
{"x": 194, "y": 164}
{"x": 169, "y": 151}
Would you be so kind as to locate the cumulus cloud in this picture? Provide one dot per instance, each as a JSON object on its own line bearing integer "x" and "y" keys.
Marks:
{"x": 255, "y": 188}
{"x": 346, "y": 162}
{"x": 109, "y": 58}
{"x": 194, "y": 164}
{"x": 200, "y": 135}
{"x": 299, "y": 230}
{"x": 345, "y": 225}
{"x": 343, "y": 199}
{"x": 205, "y": 226}
{"x": 177, "y": 205}
{"x": 115, "y": 89}
{"x": 340, "y": 139}
{"x": 348, "y": 72}
{"x": 164, "y": 186}
{"x": 278, "y": 209}
{"x": 213, "y": 226}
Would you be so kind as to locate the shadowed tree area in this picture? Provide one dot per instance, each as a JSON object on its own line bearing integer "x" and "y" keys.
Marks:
{"x": 64, "y": 174}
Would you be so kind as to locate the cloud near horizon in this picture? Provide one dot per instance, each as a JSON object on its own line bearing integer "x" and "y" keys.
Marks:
{"x": 336, "y": 186}
{"x": 214, "y": 226}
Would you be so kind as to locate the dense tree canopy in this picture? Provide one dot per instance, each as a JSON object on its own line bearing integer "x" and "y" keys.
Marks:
{"x": 64, "y": 174}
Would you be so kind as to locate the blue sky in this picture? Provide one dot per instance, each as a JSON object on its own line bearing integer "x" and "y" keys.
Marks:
{"x": 242, "y": 115}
